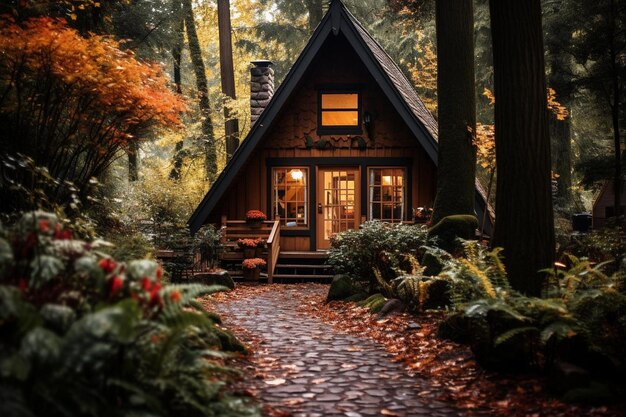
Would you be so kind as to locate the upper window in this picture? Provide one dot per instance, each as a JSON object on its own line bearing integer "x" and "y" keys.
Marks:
{"x": 339, "y": 112}
{"x": 290, "y": 196}
{"x": 386, "y": 194}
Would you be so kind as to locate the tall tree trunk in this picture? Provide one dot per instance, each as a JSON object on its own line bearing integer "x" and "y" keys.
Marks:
{"x": 524, "y": 217}
{"x": 316, "y": 13}
{"x": 561, "y": 148}
{"x": 615, "y": 110}
{"x": 133, "y": 161}
{"x": 208, "y": 136}
{"x": 179, "y": 38}
{"x": 456, "y": 108}
{"x": 228, "y": 75}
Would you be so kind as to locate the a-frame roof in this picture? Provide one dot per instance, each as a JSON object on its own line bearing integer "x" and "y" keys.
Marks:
{"x": 385, "y": 72}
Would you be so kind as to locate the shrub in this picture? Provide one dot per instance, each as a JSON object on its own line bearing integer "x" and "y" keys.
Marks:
{"x": 84, "y": 334}
{"x": 375, "y": 245}
{"x": 581, "y": 318}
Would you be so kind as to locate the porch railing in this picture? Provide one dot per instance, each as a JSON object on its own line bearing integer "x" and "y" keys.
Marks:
{"x": 233, "y": 230}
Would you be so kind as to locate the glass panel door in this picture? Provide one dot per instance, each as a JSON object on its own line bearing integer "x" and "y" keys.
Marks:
{"x": 338, "y": 198}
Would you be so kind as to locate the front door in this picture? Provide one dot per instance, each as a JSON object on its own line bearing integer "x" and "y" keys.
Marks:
{"x": 338, "y": 202}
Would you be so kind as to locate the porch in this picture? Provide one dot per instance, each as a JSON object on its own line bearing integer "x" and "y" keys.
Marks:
{"x": 281, "y": 264}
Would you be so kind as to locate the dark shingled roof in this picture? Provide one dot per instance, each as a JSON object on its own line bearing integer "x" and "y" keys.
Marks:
{"x": 404, "y": 87}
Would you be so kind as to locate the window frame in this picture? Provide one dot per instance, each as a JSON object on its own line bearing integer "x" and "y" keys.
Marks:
{"x": 405, "y": 195}
{"x": 307, "y": 199}
{"x": 340, "y": 129}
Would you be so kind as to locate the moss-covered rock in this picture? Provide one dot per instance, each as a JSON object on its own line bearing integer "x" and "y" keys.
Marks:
{"x": 360, "y": 296}
{"x": 452, "y": 227}
{"x": 215, "y": 278}
{"x": 340, "y": 288}
{"x": 374, "y": 302}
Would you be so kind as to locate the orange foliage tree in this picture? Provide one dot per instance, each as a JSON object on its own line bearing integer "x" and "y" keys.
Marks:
{"x": 73, "y": 103}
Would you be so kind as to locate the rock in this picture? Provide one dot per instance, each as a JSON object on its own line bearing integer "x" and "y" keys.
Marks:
{"x": 452, "y": 227}
{"x": 433, "y": 263}
{"x": 392, "y": 306}
{"x": 595, "y": 394}
{"x": 215, "y": 278}
{"x": 374, "y": 303}
{"x": 565, "y": 376}
{"x": 360, "y": 296}
{"x": 438, "y": 294}
{"x": 340, "y": 288}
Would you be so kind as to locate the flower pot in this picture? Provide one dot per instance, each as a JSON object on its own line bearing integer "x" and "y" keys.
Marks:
{"x": 255, "y": 224}
{"x": 249, "y": 253}
{"x": 251, "y": 274}
{"x": 258, "y": 252}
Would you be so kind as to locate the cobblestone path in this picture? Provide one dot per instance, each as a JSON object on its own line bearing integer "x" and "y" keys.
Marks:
{"x": 310, "y": 369}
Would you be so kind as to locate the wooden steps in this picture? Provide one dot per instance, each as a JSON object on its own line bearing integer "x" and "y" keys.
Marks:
{"x": 302, "y": 266}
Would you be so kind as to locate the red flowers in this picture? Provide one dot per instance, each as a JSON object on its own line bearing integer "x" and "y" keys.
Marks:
{"x": 60, "y": 234}
{"x": 250, "y": 243}
{"x": 44, "y": 225}
{"x": 255, "y": 215}
{"x": 108, "y": 265}
{"x": 116, "y": 283}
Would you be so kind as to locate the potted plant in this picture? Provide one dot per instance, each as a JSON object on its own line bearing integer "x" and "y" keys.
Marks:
{"x": 422, "y": 215}
{"x": 249, "y": 247}
{"x": 260, "y": 245}
{"x": 255, "y": 218}
{"x": 252, "y": 268}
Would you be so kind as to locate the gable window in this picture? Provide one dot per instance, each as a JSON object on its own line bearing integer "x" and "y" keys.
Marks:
{"x": 339, "y": 111}
{"x": 290, "y": 196}
{"x": 386, "y": 196}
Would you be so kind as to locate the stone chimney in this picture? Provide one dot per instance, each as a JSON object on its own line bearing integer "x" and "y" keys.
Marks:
{"x": 261, "y": 87}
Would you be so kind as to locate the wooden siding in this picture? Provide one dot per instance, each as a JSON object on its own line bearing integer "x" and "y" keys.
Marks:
{"x": 337, "y": 64}
{"x": 605, "y": 199}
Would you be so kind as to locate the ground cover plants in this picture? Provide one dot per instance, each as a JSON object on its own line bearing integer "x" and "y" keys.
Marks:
{"x": 573, "y": 334}
{"x": 84, "y": 334}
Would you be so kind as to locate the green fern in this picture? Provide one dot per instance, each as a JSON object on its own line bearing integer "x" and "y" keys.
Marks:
{"x": 510, "y": 334}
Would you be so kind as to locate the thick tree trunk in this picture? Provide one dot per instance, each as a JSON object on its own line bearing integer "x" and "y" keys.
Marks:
{"x": 524, "y": 217}
{"x": 456, "y": 108}
{"x": 228, "y": 75}
{"x": 615, "y": 111}
{"x": 179, "y": 38}
{"x": 316, "y": 13}
{"x": 208, "y": 136}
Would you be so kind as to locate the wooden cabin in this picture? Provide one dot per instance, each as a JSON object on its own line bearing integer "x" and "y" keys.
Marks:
{"x": 604, "y": 204}
{"x": 344, "y": 139}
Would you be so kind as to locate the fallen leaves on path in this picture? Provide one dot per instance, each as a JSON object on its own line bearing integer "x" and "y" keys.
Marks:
{"x": 449, "y": 367}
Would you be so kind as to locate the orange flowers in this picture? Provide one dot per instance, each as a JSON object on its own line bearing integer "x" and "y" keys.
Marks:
{"x": 253, "y": 263}
{"x": 175, "y": 296}
{"x": 255, "y": 215}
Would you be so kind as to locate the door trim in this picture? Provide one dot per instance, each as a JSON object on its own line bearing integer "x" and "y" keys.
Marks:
{"x": 320, "y": 223}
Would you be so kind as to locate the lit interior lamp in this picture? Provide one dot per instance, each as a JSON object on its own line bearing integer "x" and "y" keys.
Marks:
{"x": 296, "y": 174}
{"x": 386, "y": 179}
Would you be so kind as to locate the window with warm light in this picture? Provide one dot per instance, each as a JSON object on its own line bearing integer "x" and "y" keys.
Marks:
{"x": 339, "y": 112}
{"x": 290, "y": 196}
{"x": 386, "y": 196}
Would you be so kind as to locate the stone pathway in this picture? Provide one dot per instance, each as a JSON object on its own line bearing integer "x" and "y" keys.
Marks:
{"x": 310, "y": 369}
